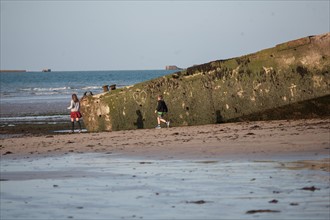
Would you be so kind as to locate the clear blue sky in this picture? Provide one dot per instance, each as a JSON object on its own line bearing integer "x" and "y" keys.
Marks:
{"x": 125, "y": 35}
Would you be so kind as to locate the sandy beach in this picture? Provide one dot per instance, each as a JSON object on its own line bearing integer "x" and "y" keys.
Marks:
{"x": 245, "y": 139}
{"x": 246, "y": 170}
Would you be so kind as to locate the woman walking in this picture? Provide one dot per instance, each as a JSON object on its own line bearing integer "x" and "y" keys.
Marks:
{"x": 75, "y": 114}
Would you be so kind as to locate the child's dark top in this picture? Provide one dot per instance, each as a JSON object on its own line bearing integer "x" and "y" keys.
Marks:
{"x": 161, "y": 107}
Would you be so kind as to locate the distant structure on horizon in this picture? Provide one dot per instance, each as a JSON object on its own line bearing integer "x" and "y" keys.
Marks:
{"x": 173, "y": 67}
{"x": 46, "y": 70}
{"x": 12, "y": 71}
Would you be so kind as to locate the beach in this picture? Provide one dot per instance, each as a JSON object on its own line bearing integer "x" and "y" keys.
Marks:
{"x": 242, "y": 139}
{"x": 246, "y": 132}
{"x": 261, "y": 169}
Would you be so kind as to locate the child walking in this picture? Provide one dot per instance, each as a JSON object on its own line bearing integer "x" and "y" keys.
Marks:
{"x": 75, "y": 114}
{"x": 161, "y": 110}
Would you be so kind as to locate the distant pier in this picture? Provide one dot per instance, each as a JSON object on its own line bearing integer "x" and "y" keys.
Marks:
{"x": 12, "y": 71}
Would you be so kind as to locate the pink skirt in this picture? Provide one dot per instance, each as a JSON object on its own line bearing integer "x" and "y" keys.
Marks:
{"x": 75, "y": 115}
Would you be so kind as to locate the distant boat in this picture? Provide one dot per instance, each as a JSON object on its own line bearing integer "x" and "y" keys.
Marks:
{"x": 46, "y": 70}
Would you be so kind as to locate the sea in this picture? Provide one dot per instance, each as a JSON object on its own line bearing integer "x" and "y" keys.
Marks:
{"x": 45, "y": 96}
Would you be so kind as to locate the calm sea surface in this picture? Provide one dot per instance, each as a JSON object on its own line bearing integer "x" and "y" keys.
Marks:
{"x": 48, "y": 93}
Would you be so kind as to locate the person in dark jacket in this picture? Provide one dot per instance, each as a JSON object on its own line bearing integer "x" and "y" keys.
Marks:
{"x": 161, "y": 110}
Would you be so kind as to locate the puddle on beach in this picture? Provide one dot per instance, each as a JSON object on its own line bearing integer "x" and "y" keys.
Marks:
{"x": 106, "y": 186}
{"x": 69, "y": 131}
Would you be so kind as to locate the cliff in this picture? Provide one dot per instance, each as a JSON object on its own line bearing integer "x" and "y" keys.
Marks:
{"x": 290, "y": 80}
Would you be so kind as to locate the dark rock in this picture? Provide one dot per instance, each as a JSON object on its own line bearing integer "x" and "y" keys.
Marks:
{"x": 260, "y": 211}
{"x": 273, "y": 201}
{"x": 8, "y": 152}
{"x": 250, "y": 133}
{"x": 199, "y": 202}
{"x": 312, "y": 188}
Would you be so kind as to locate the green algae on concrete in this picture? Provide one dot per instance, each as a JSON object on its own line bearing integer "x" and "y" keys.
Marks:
{"x": 225, "y": 90}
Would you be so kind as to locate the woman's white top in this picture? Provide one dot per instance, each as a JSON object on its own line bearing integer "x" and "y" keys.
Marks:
{"x": 74, "y": 106}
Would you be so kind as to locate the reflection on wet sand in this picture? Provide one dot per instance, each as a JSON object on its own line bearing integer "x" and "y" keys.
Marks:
{"x": 103, "y": 186}
{"x": 310, "y": 164}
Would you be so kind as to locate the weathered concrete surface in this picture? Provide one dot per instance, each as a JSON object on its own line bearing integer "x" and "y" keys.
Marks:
{"x": 290, "y": 80}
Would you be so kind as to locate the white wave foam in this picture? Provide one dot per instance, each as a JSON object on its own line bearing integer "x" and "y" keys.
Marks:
{"x": 51, "y": 89}
{"x": 46, "y": 89}
{"x": 51, "y": 93}
{"x": 91, "y": 87}
{"x": 35, "y": 118}
{"x": 25, "y": 89}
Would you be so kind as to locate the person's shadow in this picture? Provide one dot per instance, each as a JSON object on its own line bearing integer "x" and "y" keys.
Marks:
{"x": 219, "y": 118}
{"x": 139, "y": 121}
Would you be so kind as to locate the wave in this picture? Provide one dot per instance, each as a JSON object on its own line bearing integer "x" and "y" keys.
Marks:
{"x": 50, "y": 93}
{"x": 34, "y": 118}
{"x": 59, "y": 89}
{"x": 46, "y": 89}
{"x": 91, "y": 87}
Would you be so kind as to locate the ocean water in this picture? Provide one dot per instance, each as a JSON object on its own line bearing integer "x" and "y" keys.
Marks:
{"x": 49, "y": 93}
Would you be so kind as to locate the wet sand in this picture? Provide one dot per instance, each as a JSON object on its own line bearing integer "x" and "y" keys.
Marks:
{"x": 104, "y": 186}
{"x": 247, "y": 170}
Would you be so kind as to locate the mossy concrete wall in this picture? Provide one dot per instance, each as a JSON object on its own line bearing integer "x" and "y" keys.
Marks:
{"x": 223, "y": 90}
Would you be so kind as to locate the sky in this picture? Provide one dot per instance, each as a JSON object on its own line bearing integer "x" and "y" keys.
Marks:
{"x": 144, "y": 35}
